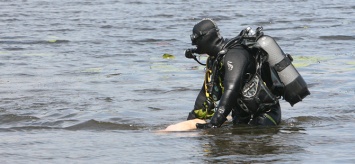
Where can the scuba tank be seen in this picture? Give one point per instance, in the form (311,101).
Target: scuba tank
(295,88)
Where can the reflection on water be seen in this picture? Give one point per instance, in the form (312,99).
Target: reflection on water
(251,144)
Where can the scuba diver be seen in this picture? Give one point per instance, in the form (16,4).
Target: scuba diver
(245,75)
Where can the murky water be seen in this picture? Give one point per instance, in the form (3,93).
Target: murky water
(85,82)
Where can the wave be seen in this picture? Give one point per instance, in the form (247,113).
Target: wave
(26,42)
(11,118)
(337,37)
(12,122)
(101,125)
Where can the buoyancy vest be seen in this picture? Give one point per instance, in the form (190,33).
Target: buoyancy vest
(255,95)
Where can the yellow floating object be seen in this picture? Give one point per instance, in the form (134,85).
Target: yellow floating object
(351,63)
(92,70)
(304,61)
(168,56)
(164,67)
(52,39)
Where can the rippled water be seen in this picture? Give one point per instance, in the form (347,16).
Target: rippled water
(85,82)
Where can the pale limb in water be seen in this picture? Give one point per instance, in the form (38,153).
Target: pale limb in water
(185,125)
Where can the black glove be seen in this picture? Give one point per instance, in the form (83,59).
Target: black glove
(205,126)
(218,118)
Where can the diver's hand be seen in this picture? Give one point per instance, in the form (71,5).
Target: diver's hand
(205,126)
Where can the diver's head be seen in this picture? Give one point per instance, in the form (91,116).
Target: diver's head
(206,37)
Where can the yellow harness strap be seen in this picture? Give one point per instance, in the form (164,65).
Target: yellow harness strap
(207,81)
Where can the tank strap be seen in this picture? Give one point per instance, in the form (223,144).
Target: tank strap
(285,62)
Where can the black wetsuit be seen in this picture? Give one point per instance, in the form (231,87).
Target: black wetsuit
(231,69)
(237,63)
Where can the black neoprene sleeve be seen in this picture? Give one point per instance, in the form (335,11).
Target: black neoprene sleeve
(235,64)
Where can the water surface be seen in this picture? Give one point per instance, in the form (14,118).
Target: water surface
(86,82)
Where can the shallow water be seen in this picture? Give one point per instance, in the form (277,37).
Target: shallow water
(86,82)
